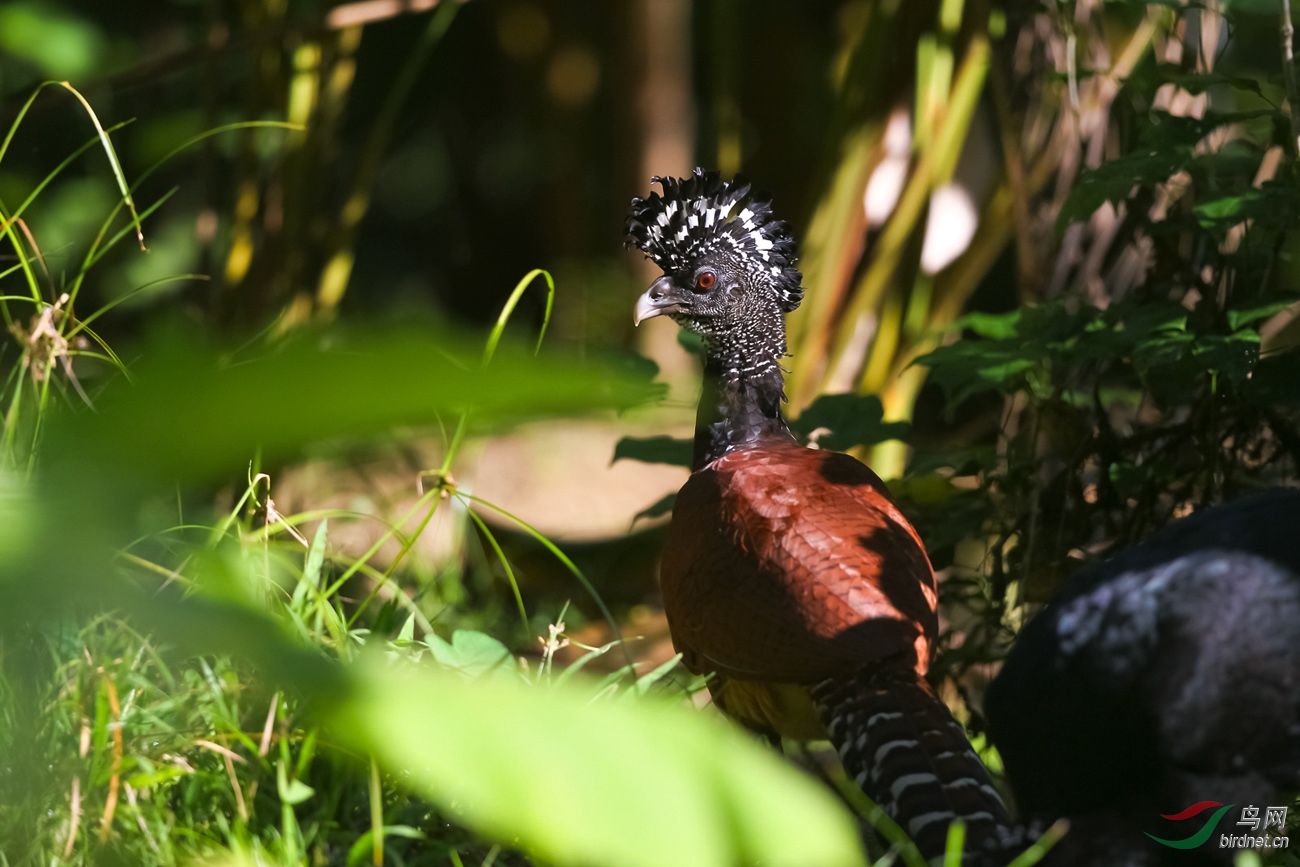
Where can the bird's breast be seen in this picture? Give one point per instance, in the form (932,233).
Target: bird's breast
(792,564)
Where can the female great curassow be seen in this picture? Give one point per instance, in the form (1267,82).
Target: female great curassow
(788,573)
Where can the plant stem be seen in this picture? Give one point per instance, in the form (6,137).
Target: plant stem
(1288,72)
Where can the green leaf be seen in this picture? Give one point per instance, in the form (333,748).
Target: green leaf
(662,506)
(292,792)
(649,679)
(1151,77)
(972,366)
(691,342)
(1115,179)
(1272,203)
(852,419)
(655,450)
(310,579)
(1243,316)
(471,653)
(579,782)
(1127,479)
(1231,355)
(993,325)
(353,383)
(59,44)
(1167,146)
(364,847)
(407,633)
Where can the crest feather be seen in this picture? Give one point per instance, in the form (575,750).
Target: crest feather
(699,214)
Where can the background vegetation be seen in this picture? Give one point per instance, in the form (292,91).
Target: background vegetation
(312,548)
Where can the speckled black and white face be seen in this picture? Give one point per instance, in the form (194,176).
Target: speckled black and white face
(725,259)
(715,295)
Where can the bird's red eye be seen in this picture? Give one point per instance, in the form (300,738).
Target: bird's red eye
(705,280)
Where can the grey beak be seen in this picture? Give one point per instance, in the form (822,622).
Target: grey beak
(659,299)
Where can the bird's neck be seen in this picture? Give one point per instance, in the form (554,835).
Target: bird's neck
(743,391)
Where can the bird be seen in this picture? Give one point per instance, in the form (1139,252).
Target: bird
(789,575)
(1163,678)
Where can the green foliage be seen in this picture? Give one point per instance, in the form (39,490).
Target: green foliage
(1160,342)
(173,689)
(279,401)
(1118,413)
(1164,147)
(576,778)
(197,627)
(61,46)
(655,450)
(186,674)
(852,420)
(537,768)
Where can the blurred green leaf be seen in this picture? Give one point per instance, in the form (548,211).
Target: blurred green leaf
(646,682)
(292,792)
(655,450)
(1115,179)
(662,506)
(471,653)
(1127,479)
(1273,199)
(362,850)
(1167,146)
(581,782)
(690,341)
(187,416)
(1149,77)
(994,325)
(852,419)
(60,45)
(1231,355)
(1243,316)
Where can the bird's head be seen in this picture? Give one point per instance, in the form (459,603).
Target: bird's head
(726,262)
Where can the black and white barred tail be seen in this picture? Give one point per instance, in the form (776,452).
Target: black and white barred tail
(900,744)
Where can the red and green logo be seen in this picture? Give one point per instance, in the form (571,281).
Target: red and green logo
(1201,836)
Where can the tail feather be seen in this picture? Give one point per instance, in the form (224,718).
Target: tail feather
(898,741)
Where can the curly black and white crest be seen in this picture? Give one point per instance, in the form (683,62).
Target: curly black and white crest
(700,214)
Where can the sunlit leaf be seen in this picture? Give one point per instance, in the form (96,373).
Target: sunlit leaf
(292,792)
(1274,199)
(471,653)
(994,325)
(1243,316)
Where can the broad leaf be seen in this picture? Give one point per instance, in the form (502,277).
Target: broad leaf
(580,782)
(1243,316)
(471,653)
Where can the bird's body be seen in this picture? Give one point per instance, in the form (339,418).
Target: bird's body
(1163,677)
(789,564)
(789,574)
